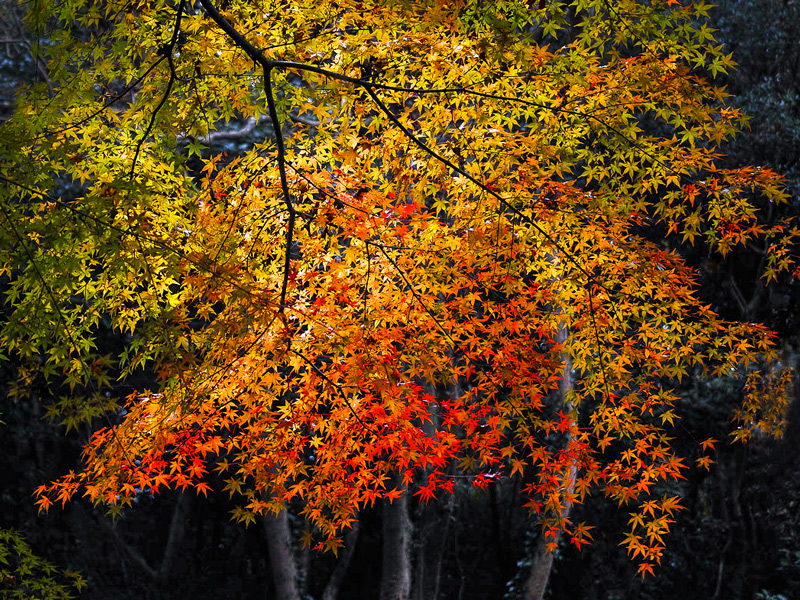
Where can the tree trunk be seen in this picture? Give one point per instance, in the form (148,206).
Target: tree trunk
(175,536)
(281,559)
(335,582)
(433,524)
(396,569)
(542,565)
(433,530)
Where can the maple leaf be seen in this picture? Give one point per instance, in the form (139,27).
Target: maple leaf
(644,568)
(708,444)
(704,462)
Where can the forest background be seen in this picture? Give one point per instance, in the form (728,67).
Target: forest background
(738,537)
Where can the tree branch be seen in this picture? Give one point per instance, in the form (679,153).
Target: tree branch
(235,135)
(132,553)
(335,582)
(167,52)
(176,530)
(276,126)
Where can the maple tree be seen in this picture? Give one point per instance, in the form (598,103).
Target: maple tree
(453,195)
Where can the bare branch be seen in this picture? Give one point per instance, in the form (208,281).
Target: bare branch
(234,135)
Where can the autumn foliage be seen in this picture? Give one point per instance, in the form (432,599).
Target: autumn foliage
(443,211)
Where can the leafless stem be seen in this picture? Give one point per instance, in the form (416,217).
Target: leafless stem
(229,136)
(166,50)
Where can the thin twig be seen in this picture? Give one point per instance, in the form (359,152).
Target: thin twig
(166,50)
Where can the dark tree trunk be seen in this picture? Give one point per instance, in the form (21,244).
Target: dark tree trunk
(396,569)
(433,526)
(335,582)
(159,576)
(281,558)
(433,530)
(536,583)
(542,564)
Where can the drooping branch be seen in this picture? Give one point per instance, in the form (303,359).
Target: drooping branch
(49,290)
